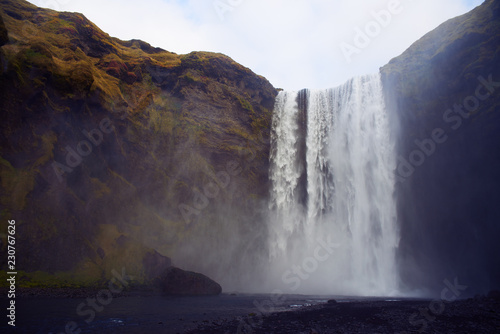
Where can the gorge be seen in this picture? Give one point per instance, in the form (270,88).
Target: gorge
(117,154)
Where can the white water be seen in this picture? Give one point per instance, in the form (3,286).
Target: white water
(346,193)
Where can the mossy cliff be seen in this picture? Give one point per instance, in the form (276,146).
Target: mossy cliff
(115,154)
(111,150)
(444,92)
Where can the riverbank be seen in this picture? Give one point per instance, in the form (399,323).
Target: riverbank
(477,315)
(135,312)
(73,292)
(140,312)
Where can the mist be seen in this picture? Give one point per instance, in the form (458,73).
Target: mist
(329,224)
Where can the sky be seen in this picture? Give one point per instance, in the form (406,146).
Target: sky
(295,44)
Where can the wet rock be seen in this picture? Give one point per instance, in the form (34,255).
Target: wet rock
(175,281)
(155,264)
(494,294)
(331,302)
(4,36)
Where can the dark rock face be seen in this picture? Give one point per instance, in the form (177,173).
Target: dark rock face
(302,100)
(176,281)
(444,92)
(155,264)
(111,150)
(4,35)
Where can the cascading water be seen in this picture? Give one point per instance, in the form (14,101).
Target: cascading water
(332,164)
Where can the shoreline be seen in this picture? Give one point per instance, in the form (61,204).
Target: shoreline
(473,315)
(480,314)
(74,292)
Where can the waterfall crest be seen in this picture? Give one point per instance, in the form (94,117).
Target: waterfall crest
(333,216)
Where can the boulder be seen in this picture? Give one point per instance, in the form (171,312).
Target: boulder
(175,281)
(331,302)
(155,264)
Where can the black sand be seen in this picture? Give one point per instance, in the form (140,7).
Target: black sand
(478,315)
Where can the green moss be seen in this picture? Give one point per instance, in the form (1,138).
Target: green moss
(42,279)
(36,57)
(161,121)
(46,147)
(262,122)
(169,140)
(196,60)
(20,72)
(245,104)
(192,76)
(99,188)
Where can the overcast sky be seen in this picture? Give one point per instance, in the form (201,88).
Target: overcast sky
(293,43)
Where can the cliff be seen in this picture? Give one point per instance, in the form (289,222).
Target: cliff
(117,154)
(112,150)
(444,95)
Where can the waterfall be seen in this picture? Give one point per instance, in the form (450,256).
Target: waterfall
(332,163)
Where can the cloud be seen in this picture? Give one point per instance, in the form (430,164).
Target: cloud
(295,44)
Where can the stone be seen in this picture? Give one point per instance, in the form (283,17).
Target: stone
(175,281)
(155,264)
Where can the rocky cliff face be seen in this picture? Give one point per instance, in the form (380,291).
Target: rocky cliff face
(444,92)
(112,150)
(115,153)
